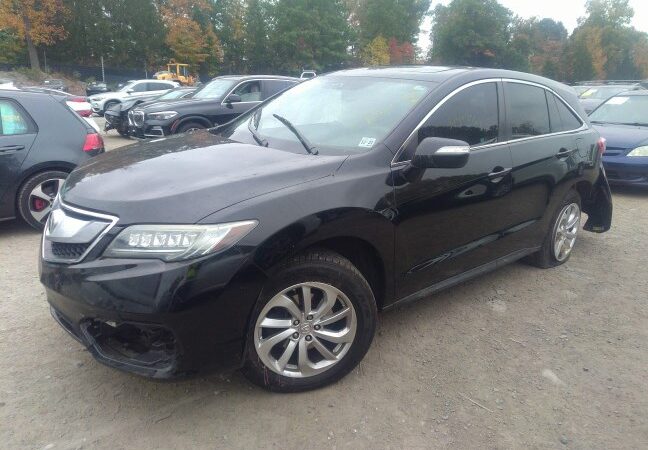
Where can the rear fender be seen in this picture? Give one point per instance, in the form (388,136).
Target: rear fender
(599,206)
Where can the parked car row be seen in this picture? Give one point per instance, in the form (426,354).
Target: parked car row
(594,93)
(132,90)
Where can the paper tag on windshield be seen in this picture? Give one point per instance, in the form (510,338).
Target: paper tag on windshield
(367,142)
(617,100)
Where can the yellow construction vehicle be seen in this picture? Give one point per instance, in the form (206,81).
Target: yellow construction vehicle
(176,72)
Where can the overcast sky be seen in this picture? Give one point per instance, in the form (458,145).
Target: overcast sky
(565,11)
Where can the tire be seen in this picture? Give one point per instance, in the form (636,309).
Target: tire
(547,256)
(34,204)
(190,126)
(123,131)
(354,303)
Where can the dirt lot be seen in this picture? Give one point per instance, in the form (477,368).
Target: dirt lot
(515,359)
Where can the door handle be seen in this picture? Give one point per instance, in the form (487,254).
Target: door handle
(11,148)
(499,172)
(564,153)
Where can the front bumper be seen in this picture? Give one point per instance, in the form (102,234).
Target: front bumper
(627,170)
(156,319)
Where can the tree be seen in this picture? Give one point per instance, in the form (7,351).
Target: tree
(537,45)
(376,52)
(398,19)
(256,23)
(190,37)
(37,22)
(471,32)
(11,47)
(311,34)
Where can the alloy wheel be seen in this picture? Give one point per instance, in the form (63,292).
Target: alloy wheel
(305,330)
(566,231)
(42,197)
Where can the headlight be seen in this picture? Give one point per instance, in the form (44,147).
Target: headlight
(162,115)
(639,151)
(177,242)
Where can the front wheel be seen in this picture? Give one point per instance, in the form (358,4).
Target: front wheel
(561,238)
(312,325)
(190,126)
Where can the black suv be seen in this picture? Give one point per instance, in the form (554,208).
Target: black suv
(216,102)
(41,141)
(271,242)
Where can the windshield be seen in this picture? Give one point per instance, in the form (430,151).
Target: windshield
(629,109)
(215,89)
(336,115)
(603,92)
(173,94)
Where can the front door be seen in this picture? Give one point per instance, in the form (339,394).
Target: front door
(17,133)
(250,94)
(451,220)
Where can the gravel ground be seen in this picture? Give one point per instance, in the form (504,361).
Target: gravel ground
(518,358)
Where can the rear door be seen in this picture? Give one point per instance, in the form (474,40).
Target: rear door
(544,149)
(17,134)
(272,87)
(452,220)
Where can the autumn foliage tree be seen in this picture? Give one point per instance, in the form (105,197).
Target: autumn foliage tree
(189,40)
(36,22)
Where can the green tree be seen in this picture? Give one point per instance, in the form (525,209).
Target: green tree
(472,32)
(537,45)
(310,34)
(12,49)
(257,21)
(398,19)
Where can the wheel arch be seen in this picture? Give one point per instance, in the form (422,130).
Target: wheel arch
(364,237)
(36,170)
(194,118)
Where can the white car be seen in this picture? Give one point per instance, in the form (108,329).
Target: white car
(134,89)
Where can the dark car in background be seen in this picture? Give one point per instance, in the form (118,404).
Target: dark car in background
(55,83)
(96,87)
(599,92)
(214,103)
(41,141)
(623,122)
(117,116)
(271,242)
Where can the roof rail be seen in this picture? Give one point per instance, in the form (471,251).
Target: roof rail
(612,82)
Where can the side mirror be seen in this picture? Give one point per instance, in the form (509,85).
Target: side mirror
(441,153)
(233,98)
(130,91)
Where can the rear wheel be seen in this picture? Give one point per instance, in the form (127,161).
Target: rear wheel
(313,323)
(190,126)
(37,194)
(561,238)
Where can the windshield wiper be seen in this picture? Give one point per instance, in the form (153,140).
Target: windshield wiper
(255,134)
(310,148)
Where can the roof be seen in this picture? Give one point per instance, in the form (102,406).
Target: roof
(255,77)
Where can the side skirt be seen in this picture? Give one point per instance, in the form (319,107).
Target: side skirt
(465,276)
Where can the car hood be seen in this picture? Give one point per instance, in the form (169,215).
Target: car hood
(179,104)
(590,104)
(623,137)
(184,178)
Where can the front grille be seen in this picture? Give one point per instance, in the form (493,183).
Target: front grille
(138,118)
(68,251)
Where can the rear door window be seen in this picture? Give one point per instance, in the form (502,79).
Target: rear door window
(527,111)
(13,120)
(158,86)
(274,86)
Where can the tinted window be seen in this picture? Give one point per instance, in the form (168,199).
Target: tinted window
(158,86)
(569,120)
(12,119)
(139,87)
(274,86)
(470,116)
(527,110)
